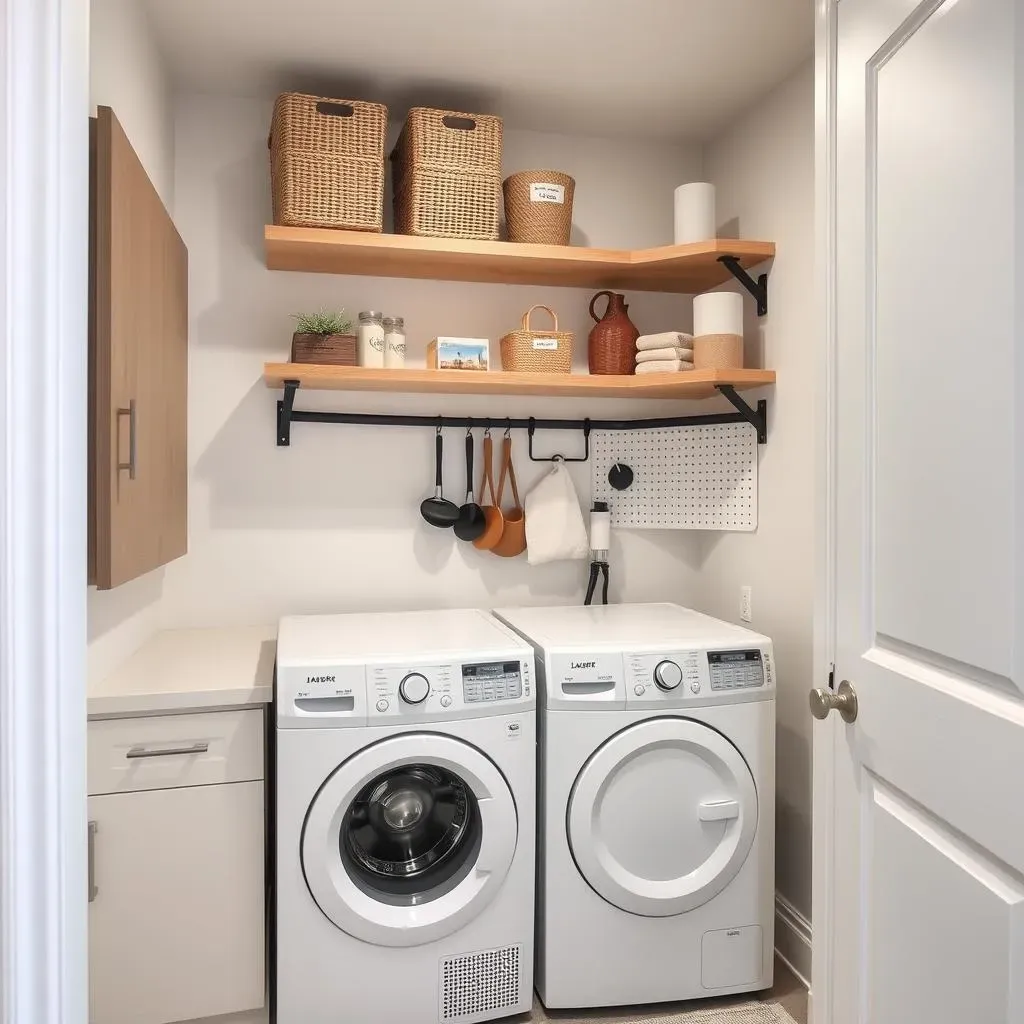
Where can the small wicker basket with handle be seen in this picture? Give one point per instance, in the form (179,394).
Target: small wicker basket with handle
(530,351)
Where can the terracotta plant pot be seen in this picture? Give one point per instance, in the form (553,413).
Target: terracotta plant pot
(325,349)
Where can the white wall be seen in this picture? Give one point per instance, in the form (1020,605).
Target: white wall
(332,522)
(763,170)
(127,74)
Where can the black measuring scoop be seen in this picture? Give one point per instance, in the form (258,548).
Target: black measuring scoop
(471,522)
(438,511)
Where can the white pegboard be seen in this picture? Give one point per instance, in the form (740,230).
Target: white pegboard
(684,478)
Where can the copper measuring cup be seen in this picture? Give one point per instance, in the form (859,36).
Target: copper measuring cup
(494,521)
(513,536)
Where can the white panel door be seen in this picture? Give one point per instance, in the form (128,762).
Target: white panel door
(176,912)
(927,875)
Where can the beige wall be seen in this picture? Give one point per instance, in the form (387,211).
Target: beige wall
(127,74)
(763,170)
(332,523)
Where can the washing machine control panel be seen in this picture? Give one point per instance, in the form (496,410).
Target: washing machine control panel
(492,680)
(682,677)
(447,690)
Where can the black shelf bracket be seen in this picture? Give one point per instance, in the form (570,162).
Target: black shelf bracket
(287,414)
(757,418)
(758,288)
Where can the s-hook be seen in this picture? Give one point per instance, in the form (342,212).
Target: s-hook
(532,427)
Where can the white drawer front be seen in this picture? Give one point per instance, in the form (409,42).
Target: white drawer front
(131,754)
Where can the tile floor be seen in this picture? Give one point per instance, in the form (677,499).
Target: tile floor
(788,992)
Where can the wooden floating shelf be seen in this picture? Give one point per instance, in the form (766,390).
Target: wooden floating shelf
(687,269)
(695,384)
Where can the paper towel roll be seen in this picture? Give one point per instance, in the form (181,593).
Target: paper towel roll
(695,212)
(718,313)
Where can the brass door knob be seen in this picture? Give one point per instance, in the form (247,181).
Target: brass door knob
(844,700)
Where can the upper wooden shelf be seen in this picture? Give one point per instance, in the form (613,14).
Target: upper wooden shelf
(692,384)
(671,268)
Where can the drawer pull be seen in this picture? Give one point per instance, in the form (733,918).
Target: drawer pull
(93,889)
(196,748)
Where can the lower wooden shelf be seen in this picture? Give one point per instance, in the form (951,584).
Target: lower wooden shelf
(695,384)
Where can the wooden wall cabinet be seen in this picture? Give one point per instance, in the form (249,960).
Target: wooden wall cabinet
(138,367)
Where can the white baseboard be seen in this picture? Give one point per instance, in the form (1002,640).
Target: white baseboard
(793,939)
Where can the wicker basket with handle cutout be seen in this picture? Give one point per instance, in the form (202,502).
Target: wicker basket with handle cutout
(530,351)
(447,174)
(327,162)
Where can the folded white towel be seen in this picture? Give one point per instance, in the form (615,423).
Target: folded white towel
(667,339)
(655,354)
(664,366)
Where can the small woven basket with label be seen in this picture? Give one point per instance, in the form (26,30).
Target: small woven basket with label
(530,351)
(538,207)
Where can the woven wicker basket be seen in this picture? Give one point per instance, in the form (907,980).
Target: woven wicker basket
(327,162)
(447,204)
(530,351)
(447,175)
(538,207)
(453,140)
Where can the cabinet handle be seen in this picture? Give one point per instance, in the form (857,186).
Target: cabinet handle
(130,464)
(93,889)
(196,748)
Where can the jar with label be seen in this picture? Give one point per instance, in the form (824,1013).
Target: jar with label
(394,342)
(371,339)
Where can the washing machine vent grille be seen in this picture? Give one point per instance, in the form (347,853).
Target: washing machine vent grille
(478,984)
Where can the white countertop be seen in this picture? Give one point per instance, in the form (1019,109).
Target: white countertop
(190,669)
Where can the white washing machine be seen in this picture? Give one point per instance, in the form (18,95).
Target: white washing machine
(656,819)
(405,819)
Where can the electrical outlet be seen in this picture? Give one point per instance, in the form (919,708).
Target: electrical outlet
(746,604)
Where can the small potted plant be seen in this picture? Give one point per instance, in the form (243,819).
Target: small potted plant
(324,337)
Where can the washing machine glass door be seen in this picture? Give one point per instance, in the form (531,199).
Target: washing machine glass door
(662,817)
(409,839)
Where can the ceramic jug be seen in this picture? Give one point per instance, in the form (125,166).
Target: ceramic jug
(612,345)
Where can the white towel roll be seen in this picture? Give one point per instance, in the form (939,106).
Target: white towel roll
(667,339)
(664,366)
(655,354)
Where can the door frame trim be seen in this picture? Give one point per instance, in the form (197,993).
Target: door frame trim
(44,90)
(825,734)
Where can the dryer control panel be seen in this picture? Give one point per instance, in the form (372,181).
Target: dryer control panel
(699,676)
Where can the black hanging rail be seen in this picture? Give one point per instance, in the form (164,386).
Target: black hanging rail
(287,414)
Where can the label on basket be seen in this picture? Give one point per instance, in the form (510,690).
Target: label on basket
(545,344)
(546,192)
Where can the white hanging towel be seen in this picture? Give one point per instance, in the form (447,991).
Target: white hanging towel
(651,355)
(554,522)
(664,366)
(667,339)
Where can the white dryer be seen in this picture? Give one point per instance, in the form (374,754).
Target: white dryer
(405,819)
(656,819)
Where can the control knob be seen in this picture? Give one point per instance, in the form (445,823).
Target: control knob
(667,675)
(414,688)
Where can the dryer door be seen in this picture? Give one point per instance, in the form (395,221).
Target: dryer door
(409,839)
(662,817)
